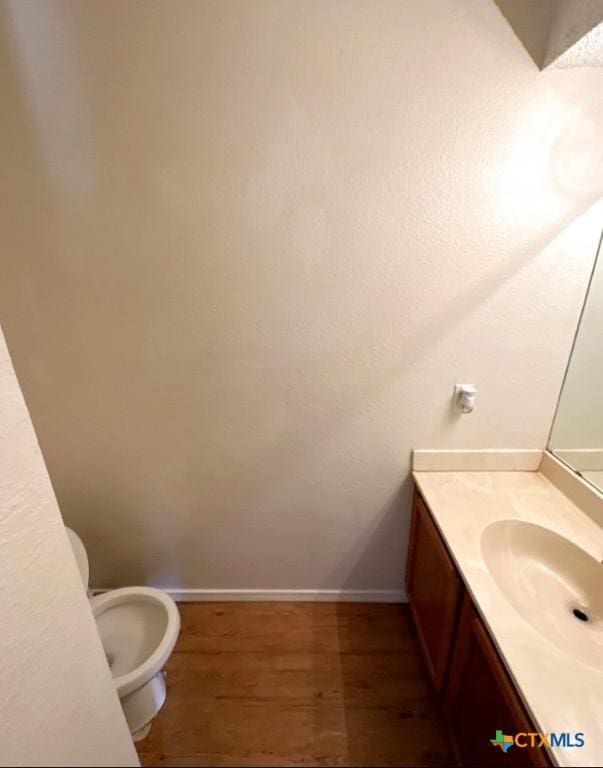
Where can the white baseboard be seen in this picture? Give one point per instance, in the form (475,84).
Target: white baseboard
(288,595)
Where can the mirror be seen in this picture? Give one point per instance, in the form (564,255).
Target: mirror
(577,434)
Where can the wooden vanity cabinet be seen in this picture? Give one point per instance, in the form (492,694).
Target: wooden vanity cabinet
(434,591)
(476,692)
(480,698)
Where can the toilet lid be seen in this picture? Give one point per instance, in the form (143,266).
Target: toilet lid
(81,558)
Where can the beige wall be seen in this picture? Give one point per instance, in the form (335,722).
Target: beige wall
(249,247)
(58,704)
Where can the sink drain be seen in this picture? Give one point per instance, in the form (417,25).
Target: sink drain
(580,614)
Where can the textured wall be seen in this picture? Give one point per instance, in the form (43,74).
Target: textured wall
(58,704)
(576,34)
(249,247)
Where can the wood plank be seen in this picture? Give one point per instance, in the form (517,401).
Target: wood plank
(297,684)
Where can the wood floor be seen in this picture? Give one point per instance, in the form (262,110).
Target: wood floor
(269,684)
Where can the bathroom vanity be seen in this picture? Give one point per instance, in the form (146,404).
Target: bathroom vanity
(466,670)
(500,658)
(505,579)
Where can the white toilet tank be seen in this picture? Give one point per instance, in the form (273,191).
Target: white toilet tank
(81,558)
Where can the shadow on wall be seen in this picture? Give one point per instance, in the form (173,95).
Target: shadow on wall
(383,540)
(126,537)
(389,528)
(103,504)
(531,22)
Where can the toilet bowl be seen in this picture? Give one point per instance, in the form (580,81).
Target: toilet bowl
(138,628)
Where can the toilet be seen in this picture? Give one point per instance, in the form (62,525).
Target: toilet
(138,627)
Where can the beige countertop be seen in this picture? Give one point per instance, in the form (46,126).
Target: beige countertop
(560,692)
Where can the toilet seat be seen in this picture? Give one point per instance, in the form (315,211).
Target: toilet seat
(138,627)
(81,558)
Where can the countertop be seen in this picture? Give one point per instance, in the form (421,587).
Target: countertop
(560,693)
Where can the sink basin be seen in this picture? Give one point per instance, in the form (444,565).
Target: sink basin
(552,584)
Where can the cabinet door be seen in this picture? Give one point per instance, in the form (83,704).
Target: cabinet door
(434,590)
(480,699)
